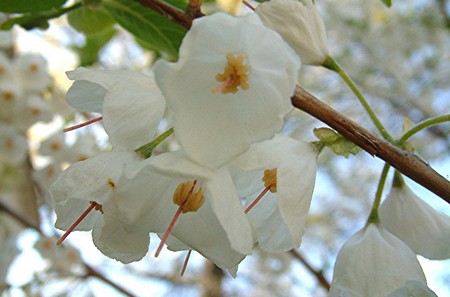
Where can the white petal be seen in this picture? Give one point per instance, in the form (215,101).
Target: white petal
(92,180)
(114,241)
(423,229)
(204,121)
(86,96)
(131,113)
(374,263)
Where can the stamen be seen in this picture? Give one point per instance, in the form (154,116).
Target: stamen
(270,183)
(248,5)
(82,124)
(78,221)
(188,201)
(257,200)
(234,75)
(186,260)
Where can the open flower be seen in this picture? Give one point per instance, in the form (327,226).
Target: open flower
(300,25)
(130,103)
(285,169)
(211,217)
(231,86)
(375,263)
(423,229)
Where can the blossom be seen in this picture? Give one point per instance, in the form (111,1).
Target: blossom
(425,230)
(288,166)
(130,102)
(231,86)
(300,25)
(31,71)
(375,263)
(213,220)
(94,179)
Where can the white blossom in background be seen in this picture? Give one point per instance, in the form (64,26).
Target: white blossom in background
(213,222)
(231,86)
(31,71)
(130,103)
(301,26)
(13,145)
(290,165)
(425,230)
(375,263)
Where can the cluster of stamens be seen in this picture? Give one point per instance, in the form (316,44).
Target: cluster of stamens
(184,196)
(270,183)
(188,200)
(235,75)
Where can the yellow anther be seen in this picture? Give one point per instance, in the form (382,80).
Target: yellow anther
(34,67)
(184,195)
(8,96)
(270,179)
(235,75)
(110,183)
(9,143)
(55,146)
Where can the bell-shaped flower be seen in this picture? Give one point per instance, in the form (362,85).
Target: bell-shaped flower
(83,183)
(375,263)
(130,103)
(31,71)
(211,216)
(301,26)
(285,169)
(425,230)
(13,145)
(231,86)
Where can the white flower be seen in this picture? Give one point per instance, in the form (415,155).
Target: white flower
(279,217)
(231,86)
(130,102)
(423,229)
(92,180)
(31,71)
(13,145)
(215,226)
(300,25)
(375,263)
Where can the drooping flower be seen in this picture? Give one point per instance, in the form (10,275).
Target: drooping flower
(286,170)
(231,86)
(212,221)
(92,180)
(425,230)
(375,263)
(130,103)
(300,25)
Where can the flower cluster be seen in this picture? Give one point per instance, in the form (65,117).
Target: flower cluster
(233,184)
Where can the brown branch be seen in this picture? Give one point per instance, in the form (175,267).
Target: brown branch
(318,274)
(176,15)
(90,271)
(405,162)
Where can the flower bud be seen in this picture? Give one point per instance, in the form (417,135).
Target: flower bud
(300,25)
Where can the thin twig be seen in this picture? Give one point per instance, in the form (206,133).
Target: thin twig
(405,162)
(90,271)
(318,274)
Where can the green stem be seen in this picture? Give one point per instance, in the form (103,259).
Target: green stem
(373,216)
(146,150)
(423,125)
(331,64)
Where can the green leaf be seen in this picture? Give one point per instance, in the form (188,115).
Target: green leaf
(38,19)
(150,27)
(387,2)
(23,6)
(89,21)
(88,54)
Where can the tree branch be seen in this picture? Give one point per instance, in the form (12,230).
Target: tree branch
(405,162)
(90,271)
(318,274)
